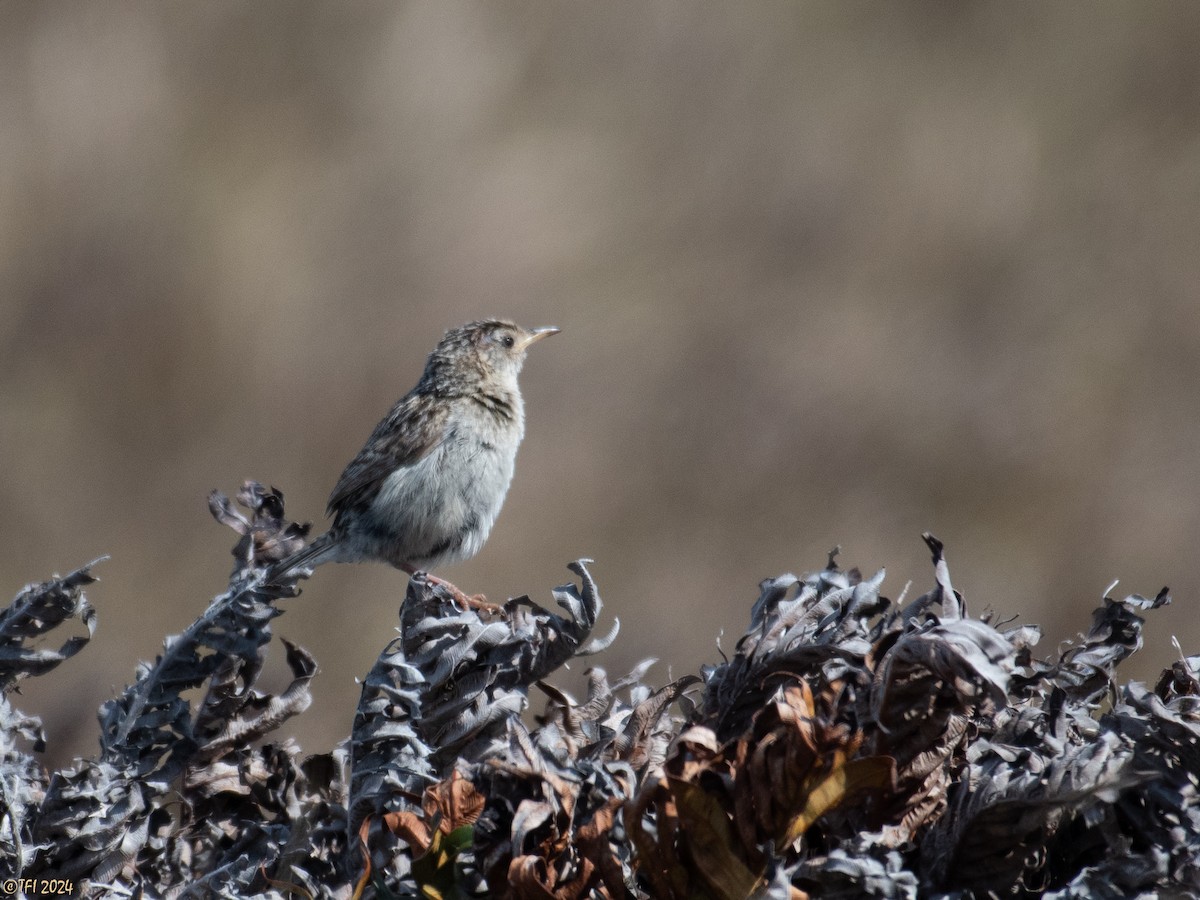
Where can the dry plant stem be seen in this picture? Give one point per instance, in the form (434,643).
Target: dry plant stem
(183,643)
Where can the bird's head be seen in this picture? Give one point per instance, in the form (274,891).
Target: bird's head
(488,350)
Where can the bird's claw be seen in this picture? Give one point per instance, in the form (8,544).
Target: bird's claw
(477,602)
(466,602)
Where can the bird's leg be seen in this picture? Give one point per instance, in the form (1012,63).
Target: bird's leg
(464,601)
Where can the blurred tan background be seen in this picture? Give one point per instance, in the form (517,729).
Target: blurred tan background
(825,274)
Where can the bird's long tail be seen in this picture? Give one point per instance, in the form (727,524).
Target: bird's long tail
(321,550)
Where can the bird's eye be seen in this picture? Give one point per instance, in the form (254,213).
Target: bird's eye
(508,340)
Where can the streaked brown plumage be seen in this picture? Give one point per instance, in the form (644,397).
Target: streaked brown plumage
(429,482)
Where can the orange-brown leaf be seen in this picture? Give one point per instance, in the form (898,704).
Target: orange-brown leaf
(828,791)
(710,841)
(456,800)
(656,859)
(530,879)
(410,828)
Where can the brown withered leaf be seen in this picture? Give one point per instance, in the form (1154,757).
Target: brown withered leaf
(594,840)
(634,744)
(722,804)
(452,803)
(656,857)
(929,680)
(529,878)
(844,780)
(795,766)
(709,837)
(694,751)
(922,785)
(410,828)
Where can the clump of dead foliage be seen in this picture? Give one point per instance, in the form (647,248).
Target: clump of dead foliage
(850,746)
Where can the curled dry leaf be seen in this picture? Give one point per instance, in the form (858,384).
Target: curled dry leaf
(36,611)
(267,536)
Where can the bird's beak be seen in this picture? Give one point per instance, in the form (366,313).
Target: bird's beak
(536,334)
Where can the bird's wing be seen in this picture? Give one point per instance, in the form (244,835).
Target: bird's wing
(406,435)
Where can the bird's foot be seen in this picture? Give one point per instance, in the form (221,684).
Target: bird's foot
(479,603)
(464,601)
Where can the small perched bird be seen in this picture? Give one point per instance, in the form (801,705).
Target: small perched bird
(428,484)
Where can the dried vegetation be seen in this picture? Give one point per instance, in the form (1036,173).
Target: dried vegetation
(851,746)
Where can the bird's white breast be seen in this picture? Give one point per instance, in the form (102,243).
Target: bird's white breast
(441,508)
